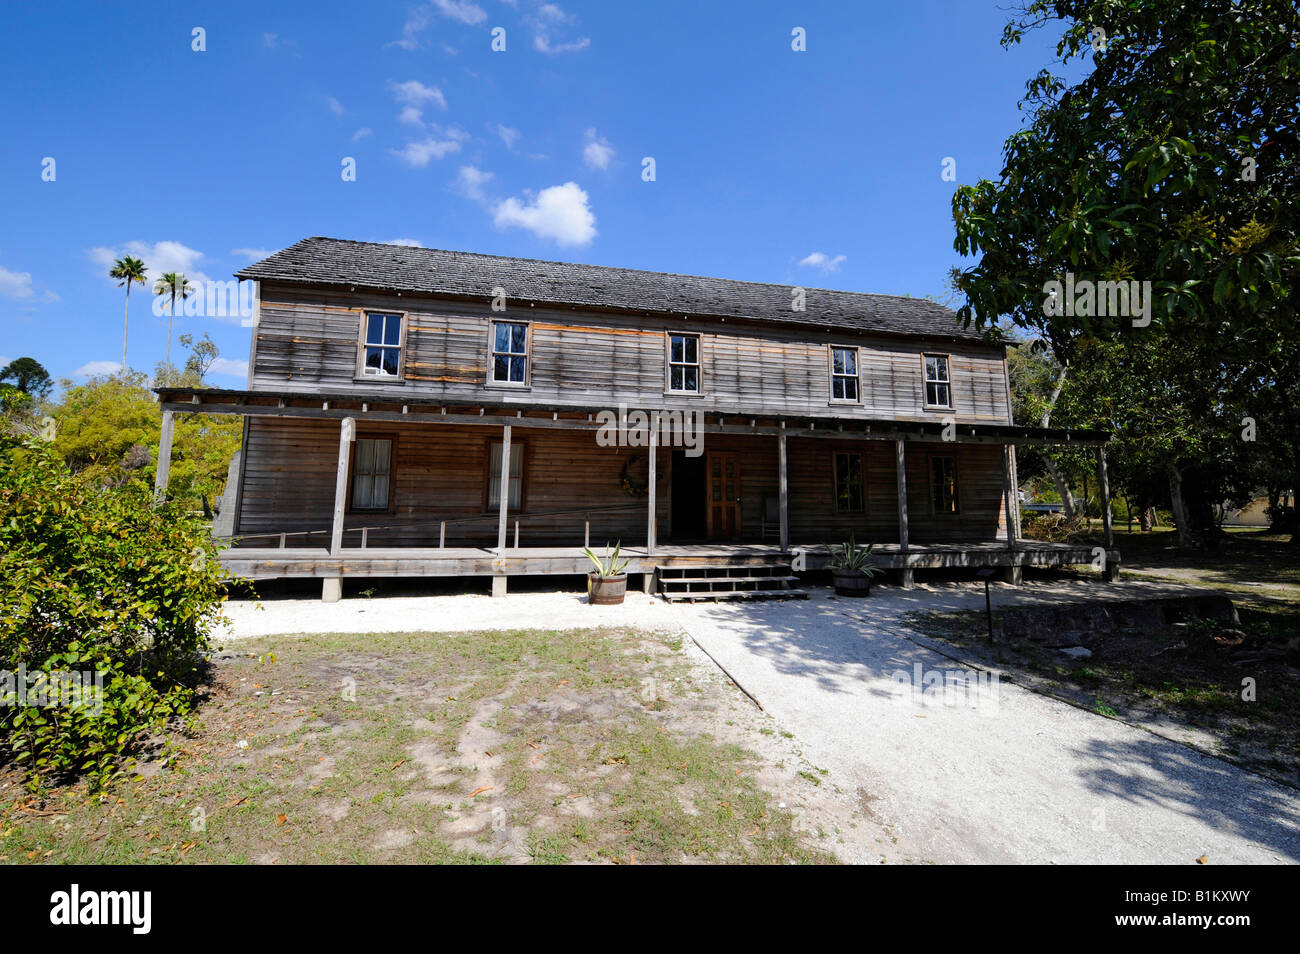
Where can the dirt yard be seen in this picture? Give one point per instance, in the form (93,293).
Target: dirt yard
(609,745)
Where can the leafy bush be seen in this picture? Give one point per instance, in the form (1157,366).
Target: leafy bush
(96,580)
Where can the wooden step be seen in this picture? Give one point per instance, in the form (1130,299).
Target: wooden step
(726,582)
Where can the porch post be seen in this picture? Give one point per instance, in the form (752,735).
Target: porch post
(163,474)
(906,574)
(654,461)
(1014,572)
(1108,529)
(503,508)
(784,492)
(332,590)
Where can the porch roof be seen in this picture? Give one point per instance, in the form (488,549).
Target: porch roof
(497,410)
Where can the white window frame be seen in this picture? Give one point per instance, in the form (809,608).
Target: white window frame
(856,376)
(526,354)
(927,381)
(364,371)
(697,364)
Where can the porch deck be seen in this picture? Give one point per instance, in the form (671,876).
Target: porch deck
(274,562)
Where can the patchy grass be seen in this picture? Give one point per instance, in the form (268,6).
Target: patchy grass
(1186,682)
(522,746)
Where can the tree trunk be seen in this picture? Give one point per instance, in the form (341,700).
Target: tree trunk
(1062,486)
(1182,519)
(126,314)
(1147,520)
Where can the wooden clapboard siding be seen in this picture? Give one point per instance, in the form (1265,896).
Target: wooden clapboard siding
(440,472)
(306,339)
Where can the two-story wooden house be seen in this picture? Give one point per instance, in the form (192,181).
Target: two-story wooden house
(416,412)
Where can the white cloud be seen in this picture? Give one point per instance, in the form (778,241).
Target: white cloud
(335,106)
(229,367)
(415,93)
(92,368)
(273,41)
(559,212)
(362,133)
(462,10)
(542,44)
(419,153)
(470,182)
(252,254)
(159,257)
(15,284)
(407,242)
(411,115)
(823,261)
(549,11)
(508,136)
(598,152)
(417,21)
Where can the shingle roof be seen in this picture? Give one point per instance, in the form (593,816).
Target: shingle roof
(330,261)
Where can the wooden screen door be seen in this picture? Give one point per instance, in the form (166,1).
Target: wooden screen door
(724,496)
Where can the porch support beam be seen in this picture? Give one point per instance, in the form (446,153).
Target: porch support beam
(1014,573)
(653,457)
(503,497)
(906,575)
(784,494)
(163,473)
(333,587)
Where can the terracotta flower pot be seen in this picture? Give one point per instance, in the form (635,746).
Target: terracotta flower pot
(851,583)
(606,590)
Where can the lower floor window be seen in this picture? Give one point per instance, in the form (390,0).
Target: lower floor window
(943,484)
(516,493)
(372,473)
(848,482)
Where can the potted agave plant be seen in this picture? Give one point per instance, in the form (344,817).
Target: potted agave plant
(607,585)
(853,568)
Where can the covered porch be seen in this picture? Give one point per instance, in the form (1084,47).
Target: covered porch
(292,513)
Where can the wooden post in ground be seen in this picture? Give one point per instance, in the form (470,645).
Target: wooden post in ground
(1014,572)
(163,474)
(906,576)
(784,492)
(332,590)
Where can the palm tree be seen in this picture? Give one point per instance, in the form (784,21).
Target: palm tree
(127,270)
(172,283)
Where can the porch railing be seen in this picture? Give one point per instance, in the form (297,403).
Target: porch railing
(282,538)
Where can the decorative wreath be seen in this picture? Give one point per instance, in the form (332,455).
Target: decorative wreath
(637,486)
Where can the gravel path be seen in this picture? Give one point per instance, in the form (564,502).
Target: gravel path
(1000,775)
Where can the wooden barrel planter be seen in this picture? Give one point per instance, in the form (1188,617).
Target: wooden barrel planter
(851,583)
(606,590)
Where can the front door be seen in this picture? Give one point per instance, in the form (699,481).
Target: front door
(724,496)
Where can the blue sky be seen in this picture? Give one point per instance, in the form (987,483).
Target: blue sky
(819,168)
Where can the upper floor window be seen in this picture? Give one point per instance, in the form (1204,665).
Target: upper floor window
(844,374)
(684,363)
(381,354)
(509,352)
(943,484)
(372,470)
(938,384)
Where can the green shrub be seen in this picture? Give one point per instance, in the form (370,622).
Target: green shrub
(98,580)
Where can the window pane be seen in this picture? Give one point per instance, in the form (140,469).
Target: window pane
(675,378)
(501,368)
(851,389)
(382,454)
(374,360)
(361,491)
(675,349)
(365,456)
(390,360)
(519,339)
(837,361)
(374,329)
(494,459)
(517,369)
(837,388)
(379,499)
(692,348)
(393,330)
(692,378)
(502,337)
(850,361)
